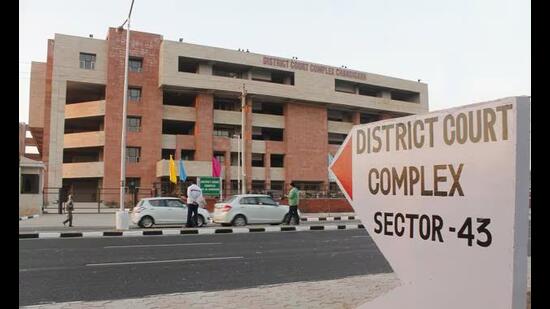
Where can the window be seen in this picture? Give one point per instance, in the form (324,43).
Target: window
(187,155)
(157,203)
(235,159)
(264,200)
(220,156)
(366,118)
(308,185)
(227,104)
(257,160)
(134,94)
(87,61)
(277,185)
(258,186)
(133,124)
(132,154)
(221,132)
(336,138)
(226,130)
(29,183)
(267,134)
(165,153)
(277,160)
(248,201)
(174,203)
(135,64)
(133,183)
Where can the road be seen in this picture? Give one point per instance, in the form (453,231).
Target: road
(60,270)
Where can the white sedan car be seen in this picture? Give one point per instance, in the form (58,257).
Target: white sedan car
(165,210)
(245,209)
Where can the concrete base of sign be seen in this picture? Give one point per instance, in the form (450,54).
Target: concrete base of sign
(122,220)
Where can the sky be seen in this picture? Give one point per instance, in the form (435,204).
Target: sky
(466,51)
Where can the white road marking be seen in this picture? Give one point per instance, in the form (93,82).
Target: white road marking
(166,245)
(167,261)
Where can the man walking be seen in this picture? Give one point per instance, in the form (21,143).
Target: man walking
(293,200)
(69,207)
(194,194)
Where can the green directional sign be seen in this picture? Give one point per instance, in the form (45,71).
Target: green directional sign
(210,186)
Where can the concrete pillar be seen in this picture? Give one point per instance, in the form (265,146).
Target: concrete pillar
(356,118)
(287,80)
(178,150)
(205,69)
(385,94)
(204,127)
(267,165)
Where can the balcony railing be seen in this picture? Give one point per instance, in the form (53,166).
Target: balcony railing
(83,170)
(192,168)
(85,109)
(84,139)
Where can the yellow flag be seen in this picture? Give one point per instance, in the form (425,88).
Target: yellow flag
(173,170)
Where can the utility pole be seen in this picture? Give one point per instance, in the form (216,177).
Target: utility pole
(243,108)
(122,217)
(238,162)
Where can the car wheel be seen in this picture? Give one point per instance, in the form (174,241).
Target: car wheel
(239,220)
(146,222)
(200,220)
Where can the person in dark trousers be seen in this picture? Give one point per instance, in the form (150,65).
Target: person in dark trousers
(194,194)
(69,207)
(293,200)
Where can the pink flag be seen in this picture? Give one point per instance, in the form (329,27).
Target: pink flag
(216,167)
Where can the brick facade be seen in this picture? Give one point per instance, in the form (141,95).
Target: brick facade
(149,108)
(304,121)
(306,141)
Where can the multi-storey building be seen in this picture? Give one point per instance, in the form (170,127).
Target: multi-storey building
(185,100)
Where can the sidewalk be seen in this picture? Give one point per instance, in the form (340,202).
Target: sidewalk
(344,293)
(107,220)
(340,293)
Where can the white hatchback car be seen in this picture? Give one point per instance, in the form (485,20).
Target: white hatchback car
(245,209)
(165,210)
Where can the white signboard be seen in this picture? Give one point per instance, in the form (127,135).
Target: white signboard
(444,196)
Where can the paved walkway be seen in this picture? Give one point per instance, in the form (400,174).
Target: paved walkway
(107,221)
(341,293)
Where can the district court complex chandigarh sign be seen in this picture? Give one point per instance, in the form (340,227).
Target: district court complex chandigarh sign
(444,196)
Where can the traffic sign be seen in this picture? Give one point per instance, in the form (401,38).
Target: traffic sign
(445,196)
(210,186)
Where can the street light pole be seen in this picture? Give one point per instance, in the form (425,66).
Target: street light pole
(238,161)
(243,107)
(122,217)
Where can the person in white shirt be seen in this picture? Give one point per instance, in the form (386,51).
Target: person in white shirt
(194,194)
